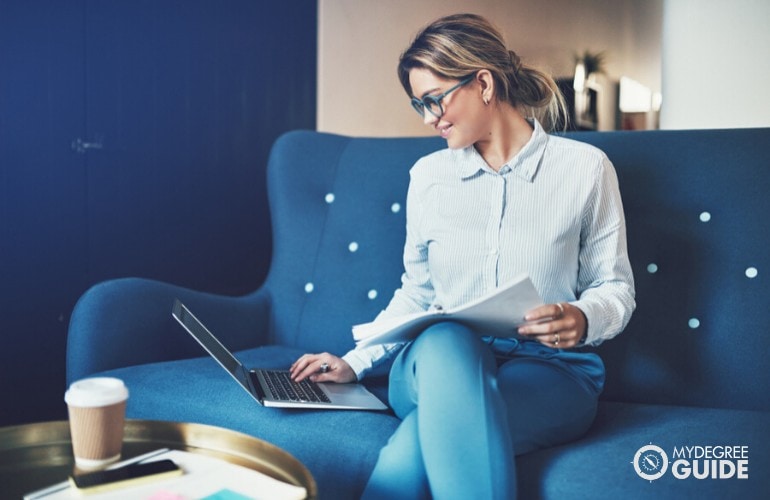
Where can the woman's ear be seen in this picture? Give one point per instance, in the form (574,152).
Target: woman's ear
(487,85)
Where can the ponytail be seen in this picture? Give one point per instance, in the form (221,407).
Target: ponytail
(536,94)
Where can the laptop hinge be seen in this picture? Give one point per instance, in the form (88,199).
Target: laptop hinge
(256,385)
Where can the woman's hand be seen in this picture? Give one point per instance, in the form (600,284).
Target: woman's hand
(322,367)
(560,326)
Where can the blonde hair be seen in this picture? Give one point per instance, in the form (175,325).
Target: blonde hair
(459,45)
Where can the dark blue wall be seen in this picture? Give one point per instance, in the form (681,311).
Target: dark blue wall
(175,105)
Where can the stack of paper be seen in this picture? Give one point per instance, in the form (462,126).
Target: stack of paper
(497,313)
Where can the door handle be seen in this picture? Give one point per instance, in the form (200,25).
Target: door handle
(81,146)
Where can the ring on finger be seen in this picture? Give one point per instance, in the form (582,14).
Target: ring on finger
(556,339)
(324,367)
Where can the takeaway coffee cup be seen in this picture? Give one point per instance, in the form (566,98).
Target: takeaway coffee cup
(97,409)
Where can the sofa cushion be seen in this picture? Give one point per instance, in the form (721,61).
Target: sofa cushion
(339,448)
(600,465)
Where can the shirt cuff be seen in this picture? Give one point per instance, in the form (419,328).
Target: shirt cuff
(359,362)
(364,360)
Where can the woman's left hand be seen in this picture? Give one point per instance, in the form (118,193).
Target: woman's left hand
(560,326)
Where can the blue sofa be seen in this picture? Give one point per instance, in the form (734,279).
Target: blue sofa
(688,382)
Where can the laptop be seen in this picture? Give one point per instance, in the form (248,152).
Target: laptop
(275,387)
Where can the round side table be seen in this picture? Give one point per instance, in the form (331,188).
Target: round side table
(34,456)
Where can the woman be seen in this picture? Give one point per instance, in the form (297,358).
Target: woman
(504,198)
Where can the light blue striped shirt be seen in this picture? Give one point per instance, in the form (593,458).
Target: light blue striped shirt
(554,211)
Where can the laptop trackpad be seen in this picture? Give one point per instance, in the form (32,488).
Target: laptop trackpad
(352,394)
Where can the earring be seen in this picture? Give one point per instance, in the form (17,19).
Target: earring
(486,101)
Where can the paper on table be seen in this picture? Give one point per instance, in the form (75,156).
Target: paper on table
(497,313)
(203,476)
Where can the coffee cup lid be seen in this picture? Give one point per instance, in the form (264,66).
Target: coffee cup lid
(96,391)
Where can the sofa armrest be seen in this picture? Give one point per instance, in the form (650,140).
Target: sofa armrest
(128,321)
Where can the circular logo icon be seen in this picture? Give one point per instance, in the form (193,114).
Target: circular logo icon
(650,462)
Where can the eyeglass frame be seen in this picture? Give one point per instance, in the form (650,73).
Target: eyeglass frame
(420,105)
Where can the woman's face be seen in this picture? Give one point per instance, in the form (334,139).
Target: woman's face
(462,123)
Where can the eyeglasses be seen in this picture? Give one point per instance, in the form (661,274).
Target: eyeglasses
(433,102)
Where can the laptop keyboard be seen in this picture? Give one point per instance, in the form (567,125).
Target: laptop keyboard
(285,389)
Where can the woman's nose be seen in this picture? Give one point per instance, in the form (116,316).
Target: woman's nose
(429,118)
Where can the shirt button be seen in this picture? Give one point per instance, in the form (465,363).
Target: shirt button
(493,251)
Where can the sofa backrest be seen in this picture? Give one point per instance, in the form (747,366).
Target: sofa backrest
(338,211)
(696,205)
(697,209)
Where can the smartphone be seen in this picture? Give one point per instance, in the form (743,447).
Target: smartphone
(130,475)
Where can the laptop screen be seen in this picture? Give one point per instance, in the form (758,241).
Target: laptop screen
(208,341)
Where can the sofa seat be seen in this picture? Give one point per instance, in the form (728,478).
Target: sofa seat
(340,448)
(598,465)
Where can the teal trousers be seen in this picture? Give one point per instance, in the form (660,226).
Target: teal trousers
(470,403)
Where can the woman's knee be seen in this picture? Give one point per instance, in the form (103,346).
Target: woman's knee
(449,346)
(442,356)
(447,337)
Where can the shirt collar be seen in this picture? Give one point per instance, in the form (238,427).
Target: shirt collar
(525,164)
